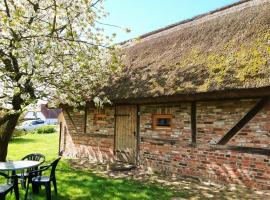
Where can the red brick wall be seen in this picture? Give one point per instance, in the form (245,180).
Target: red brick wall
(96,143)
(170,152)
(217,117)
(180,122)
(214,119)
(256,133)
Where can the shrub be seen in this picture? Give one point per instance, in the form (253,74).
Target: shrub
(46,129)
(18,133)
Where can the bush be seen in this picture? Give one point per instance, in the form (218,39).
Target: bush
(46,129)
(18,133)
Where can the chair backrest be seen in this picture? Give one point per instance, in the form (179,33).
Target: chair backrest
(35,157)
(54,165)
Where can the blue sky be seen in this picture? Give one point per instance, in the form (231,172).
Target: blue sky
(142,16)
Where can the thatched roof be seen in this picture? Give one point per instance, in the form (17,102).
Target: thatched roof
(222,50)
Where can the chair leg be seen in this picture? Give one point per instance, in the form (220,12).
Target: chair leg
(16,189)
(55,186)
(35,188)
(48,190)
(27,188)
(24,182)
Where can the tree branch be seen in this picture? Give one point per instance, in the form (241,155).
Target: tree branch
(105,24)
(35,7)
(54,18)
(7,9)
(67,39)
(95,3)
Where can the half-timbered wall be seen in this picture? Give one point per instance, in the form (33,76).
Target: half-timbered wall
(215,118)
(160,151)
(171,150)
(89,140)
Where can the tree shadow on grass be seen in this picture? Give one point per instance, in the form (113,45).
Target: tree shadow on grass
(82,185)
(22,140)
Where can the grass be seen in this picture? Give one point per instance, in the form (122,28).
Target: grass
(46,144)
(74,184)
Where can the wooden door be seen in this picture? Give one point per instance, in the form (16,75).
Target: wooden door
(126,133)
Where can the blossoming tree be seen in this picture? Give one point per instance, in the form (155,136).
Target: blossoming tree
(50,49)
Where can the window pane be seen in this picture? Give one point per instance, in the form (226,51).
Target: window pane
(163,122)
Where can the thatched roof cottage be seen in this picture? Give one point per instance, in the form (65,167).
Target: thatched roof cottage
(192,100)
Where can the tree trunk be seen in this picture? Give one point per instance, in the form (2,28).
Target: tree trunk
(3,150)
(6,131)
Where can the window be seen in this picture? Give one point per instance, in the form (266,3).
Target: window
(162,121)
(40,122)
(37,122)
(100,119)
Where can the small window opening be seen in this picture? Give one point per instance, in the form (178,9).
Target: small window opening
(100,119)
(162,121)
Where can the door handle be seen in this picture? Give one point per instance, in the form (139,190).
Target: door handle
(134,133)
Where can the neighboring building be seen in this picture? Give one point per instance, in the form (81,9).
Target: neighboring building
(50,116)
(193,101)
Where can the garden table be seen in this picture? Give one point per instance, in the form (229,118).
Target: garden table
(14,166)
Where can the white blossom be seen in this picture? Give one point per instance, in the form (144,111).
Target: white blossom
(60,52)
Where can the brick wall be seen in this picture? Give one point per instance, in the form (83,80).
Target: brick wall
(214,119)
(170,151)
(96,143)
(217,117)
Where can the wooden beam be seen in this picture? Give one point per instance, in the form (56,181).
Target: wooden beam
(251,93)
(98,135)
(85,118)
(138,134)
(72,121)
(193,122)
(250,114)
(65,138)
(60,138)
(114,132)
(250,150)
(159,141)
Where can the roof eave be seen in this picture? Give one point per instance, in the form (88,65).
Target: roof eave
(204,96)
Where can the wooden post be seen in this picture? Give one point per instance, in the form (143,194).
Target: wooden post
(60,137)
(138,135)
(85,118)
(114,134)
(193,122)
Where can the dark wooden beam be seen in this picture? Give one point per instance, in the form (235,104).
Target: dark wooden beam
(60,138)
(193,122)
(72,121)
(250,150)
(250,114)
(114,131)
(229,94)
(159,141)
(65,138)
(138,134)
(97,135)
(85,118)
(251,93)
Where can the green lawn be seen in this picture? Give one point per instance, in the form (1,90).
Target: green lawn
(80,184)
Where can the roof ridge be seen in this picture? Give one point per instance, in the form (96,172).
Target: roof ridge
(187,20)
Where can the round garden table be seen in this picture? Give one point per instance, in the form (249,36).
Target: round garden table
(14,166)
